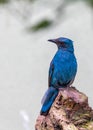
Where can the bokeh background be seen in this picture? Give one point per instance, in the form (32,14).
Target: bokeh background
(25,54)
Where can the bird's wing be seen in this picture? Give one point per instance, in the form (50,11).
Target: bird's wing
(51,70)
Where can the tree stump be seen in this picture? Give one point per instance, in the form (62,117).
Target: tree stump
(70,111)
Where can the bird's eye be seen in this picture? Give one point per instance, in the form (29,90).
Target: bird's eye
(63,44)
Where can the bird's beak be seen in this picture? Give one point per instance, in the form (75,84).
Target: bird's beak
(52,40)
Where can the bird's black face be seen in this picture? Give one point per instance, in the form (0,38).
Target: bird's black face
(58,42)
(63,43)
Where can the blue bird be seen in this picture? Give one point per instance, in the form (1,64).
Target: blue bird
(62,71)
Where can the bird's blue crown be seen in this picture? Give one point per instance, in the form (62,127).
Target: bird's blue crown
(65,40)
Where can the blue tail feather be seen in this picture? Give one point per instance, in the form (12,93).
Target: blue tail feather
(48,100)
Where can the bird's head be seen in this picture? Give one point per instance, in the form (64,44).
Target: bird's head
(63,43)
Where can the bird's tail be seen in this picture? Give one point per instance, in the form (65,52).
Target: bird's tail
(48,100)
(45,95)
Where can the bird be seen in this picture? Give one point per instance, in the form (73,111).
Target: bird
(62,71)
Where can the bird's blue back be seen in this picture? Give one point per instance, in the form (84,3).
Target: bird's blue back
(64,68)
